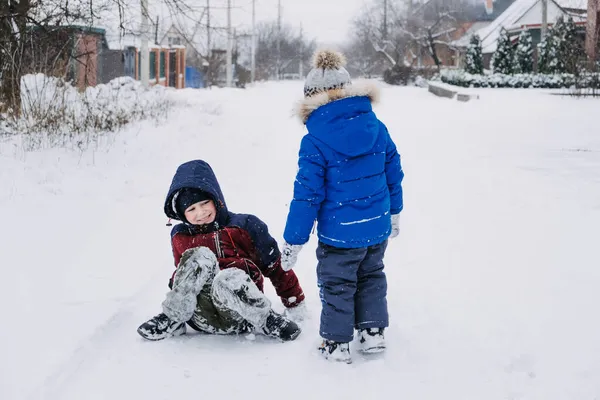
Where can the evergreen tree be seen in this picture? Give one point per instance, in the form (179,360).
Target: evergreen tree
(474,59)
(560,35)
(502,59)
(523,61)
(548,53)
(571,50)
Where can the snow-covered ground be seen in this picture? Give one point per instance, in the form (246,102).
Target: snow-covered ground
(493,281)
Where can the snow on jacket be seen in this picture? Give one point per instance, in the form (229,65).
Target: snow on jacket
(238,240)
(349,177)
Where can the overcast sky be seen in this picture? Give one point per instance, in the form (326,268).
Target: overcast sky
(327,21)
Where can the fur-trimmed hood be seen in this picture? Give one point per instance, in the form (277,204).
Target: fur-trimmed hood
(343,119)
(366,88)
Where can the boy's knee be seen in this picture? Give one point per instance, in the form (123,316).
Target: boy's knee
(231,279)
(234,283)
(199,256)
(197,267)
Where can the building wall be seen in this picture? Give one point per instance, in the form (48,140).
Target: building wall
(592,30)
(86,59)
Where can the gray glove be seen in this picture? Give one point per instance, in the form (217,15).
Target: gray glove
(395,226)
(289,255)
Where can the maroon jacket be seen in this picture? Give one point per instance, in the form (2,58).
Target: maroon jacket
(238,240)
(234,248)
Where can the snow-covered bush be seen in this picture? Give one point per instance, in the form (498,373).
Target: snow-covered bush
(53,109)
(548,81)
(398,75)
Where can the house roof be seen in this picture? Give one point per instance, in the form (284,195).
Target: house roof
(513,17)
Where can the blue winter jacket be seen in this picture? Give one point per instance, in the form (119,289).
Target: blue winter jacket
(349,177)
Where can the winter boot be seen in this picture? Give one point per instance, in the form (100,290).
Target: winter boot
(335,351)
(371,340)
(161,327)
(280,327)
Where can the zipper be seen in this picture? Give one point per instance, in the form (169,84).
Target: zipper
(218,249)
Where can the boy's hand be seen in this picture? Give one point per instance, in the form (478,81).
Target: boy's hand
(289,255)
(395,226)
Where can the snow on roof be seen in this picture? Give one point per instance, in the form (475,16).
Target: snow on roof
(573,4)
(489,35)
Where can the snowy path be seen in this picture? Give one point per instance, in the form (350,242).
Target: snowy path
(493,282)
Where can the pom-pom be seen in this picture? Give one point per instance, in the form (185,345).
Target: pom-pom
(329,59)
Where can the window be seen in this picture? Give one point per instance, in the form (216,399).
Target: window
(152,64)
(162,64)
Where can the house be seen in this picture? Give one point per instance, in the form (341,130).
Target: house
(81,55)
(206,48)
(463,18)
(167,63)
(69,51)
(523,15)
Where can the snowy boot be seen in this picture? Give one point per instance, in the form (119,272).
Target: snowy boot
(336,351)
(371,340)
(161,327)
(280,327)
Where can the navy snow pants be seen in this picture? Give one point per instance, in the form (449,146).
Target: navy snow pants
(353,289)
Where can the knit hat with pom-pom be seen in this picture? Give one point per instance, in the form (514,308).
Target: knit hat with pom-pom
(328,73)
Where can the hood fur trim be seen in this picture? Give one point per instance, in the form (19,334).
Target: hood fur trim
(367,88)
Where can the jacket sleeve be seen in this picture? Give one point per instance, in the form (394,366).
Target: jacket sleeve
(394,174)
(177,253)
(268,260)
(309,192)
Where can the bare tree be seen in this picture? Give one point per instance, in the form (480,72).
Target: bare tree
(36,36)
(31,42)
(367,34)
(294,49)
(413,31)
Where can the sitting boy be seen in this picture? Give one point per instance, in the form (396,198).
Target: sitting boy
(221,259)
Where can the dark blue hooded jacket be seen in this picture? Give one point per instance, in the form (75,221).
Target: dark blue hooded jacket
(349,177)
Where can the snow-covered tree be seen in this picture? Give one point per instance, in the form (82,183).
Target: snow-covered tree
(561,50)
(502,60)
(548,53)
(474,58)
(571,49)
(523,60)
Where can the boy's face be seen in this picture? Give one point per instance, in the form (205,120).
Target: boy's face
(201,213)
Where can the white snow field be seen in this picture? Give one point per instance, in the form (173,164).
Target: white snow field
(494,282)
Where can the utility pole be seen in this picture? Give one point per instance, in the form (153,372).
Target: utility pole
(209,58)
(208,28)
(385,19)
(144,55)
(253,61)
(301,66)
(278,39)
(544,18)
(229,47)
